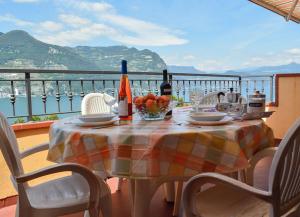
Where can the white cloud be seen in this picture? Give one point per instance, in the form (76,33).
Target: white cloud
(294,51)
(74,21)
(98,7)
(200,63)
(212,65)
(26,1)
(71,37)
(274,59)
(189,57)
(50,26)
(145,33)
(12,19)
(130,30)
(97,19)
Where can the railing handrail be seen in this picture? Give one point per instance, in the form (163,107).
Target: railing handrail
(103,72)
(258,76)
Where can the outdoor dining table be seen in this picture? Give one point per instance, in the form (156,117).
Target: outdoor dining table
(150,153)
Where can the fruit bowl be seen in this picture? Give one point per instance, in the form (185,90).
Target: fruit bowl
(151,107)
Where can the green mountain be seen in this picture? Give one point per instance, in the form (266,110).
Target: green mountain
(20,50)
(108,58)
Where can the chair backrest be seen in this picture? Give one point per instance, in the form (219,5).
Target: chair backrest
(284,178)
(212,99)
(93,103)
(9,147)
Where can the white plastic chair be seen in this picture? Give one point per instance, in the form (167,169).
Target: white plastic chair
(93,103)
(211,99)
(246,175)
(70,194)
(233,198)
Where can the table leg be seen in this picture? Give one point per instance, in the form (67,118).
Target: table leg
(169,190)
(143,193)
(178,198)
(131,185)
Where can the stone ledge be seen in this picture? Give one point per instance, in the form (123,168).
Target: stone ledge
(32,125)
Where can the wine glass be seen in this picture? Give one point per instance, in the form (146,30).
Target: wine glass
(109,98)
(196,95)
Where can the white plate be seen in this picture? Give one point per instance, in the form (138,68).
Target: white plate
(207,116)
(224,121)
(95,124)
(97,117)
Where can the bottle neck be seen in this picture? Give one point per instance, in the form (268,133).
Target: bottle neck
(165,76)
(124,67)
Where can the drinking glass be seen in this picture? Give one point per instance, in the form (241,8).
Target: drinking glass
(196,95)
(109,98)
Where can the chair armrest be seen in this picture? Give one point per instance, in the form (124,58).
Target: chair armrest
(91,179)
(30,151)
(215,178)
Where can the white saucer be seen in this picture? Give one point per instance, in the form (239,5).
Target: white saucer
(95,124)
(96,117)
(207,116)
(224,121)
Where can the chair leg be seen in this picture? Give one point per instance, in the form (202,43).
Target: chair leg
(106,206)
(93,212)
(120,181)
(86,213)
(169,189)
(23,212)
(17,210)
(177,198)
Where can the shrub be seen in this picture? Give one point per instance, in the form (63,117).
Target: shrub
(51,117)
(36,118)
(19,121)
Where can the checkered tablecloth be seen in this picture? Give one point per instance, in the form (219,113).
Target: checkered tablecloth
(145,149)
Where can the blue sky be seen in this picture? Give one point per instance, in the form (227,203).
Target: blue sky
(212,35)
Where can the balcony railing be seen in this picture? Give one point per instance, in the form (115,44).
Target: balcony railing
(29,93)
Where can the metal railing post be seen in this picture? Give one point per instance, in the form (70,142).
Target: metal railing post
(171,82)
(28,95)
(272,88)
(240,84)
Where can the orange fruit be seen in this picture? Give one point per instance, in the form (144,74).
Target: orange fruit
(138,100)
(164,101)
(151,96)
(151,106)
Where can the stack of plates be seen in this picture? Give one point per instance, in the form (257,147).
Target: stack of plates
(209,118)
(96,120)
